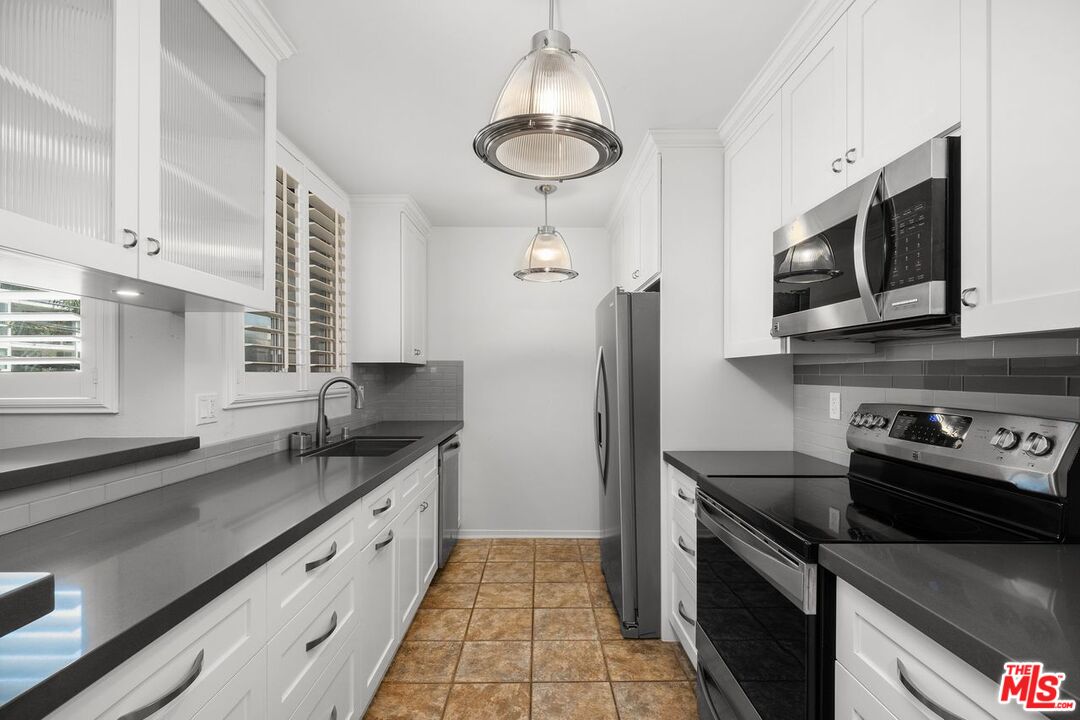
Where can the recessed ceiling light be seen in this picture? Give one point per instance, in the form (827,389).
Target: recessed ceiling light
(127,293)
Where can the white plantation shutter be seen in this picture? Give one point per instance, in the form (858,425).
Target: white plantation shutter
(40,331)
(326,286)
(58,353)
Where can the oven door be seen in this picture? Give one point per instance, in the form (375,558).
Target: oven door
(757,638)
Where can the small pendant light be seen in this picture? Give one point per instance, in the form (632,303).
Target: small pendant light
(552,120)
(547,259)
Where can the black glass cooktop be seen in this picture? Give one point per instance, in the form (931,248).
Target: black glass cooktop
(801,512)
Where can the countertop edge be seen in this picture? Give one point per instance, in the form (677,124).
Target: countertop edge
(671,459)
(956,640)
(49,471)
(64,685)
(25,604)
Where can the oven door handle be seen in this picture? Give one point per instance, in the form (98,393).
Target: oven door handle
(795,579)
(875,187)
(705,679)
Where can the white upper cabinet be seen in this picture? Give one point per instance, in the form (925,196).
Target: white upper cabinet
(903,78)
(752,199)
(388,280)
(814,103)
(155,122)
(1019,108)
(635,227)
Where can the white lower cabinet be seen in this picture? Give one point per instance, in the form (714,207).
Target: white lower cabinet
(853,701)
(378,629)
(305,646)
(182,670)
(910,675)
(680,560)
(244,698)
(338,616)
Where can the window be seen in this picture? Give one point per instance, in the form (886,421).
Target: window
(288,352)
(58,353)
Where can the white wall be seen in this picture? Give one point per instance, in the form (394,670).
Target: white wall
(708,403)
(151,388)
(528,462)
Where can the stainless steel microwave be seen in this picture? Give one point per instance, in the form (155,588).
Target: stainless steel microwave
(879,259)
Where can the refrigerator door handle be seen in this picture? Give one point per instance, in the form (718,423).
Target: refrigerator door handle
(601,428)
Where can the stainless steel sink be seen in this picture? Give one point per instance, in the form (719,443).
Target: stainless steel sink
(364,447)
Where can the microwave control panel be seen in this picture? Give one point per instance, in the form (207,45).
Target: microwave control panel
(917,236)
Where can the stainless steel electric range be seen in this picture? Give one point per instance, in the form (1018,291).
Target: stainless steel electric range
(916,474)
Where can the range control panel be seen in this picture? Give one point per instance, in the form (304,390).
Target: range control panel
(1030,452)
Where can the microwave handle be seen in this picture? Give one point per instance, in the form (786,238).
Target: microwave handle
(875,187)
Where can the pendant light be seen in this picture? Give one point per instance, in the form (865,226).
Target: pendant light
(552,120)
(547,259)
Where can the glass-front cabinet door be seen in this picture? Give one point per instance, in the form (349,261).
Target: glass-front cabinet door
(69,113)
(207,173)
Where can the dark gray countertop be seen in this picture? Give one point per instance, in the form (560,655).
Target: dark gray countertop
(987,604)
(24,597)
(137,567)
(700,464)
(32,464)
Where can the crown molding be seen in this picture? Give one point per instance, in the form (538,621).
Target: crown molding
(816,20)
(263,25)
(312,167)
(404,202)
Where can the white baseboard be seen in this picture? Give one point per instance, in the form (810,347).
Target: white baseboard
(470,534)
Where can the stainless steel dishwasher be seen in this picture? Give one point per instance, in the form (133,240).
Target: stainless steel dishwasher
(449,496)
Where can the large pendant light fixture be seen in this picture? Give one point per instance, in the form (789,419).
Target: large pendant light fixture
(552,120)
(547,259)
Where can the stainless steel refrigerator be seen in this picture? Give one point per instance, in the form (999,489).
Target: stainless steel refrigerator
(627,429)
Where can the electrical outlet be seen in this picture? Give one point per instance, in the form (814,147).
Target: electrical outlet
(834,406)
(206,408)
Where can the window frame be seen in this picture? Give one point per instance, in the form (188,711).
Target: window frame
(247,389)
(95,388)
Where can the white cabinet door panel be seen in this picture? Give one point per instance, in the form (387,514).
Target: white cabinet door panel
(406,529)
(814,106)
(378,629)
(752,186)
(903,78)
(649,239)
(1018,99)
(244,698)
(429,535)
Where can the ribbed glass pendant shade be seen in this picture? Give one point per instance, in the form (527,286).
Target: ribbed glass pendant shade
(552,120)
(547,259)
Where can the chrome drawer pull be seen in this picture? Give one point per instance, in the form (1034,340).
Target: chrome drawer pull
(384,543)
(423,506)
(684,616)
(685,549)
(148,710)
(921,696)
(384,508)
(682,496)
(323,560)
(312,644)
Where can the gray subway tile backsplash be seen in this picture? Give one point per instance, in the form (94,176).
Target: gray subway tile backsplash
(392,392)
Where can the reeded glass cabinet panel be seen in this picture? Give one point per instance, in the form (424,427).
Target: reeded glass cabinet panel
(57,105)
(213,148)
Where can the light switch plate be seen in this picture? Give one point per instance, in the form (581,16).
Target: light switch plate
(834,406)
(206,408)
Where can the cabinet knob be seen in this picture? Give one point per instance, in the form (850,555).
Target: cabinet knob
(155,249)
(416,352)
(969,297)
(636,273)
(838,165)
(849,156)
(134,238)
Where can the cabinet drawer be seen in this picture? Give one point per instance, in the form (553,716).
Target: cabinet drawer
(193,661)
(244,698)
(417,476)
(854,702)
(336,693)
(684,545)
(377,509)
(303,649)
(295,576)
(684,611)
(683,496)
(874,645)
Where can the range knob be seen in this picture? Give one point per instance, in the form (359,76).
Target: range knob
(1037,445)
(880,421)
(867,420)
(1005,439)
(856,419)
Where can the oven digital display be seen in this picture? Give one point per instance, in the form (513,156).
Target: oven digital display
(931,428)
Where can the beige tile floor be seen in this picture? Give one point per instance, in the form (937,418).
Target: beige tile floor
(518,629)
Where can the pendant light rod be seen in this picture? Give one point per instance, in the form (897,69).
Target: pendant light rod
(551,14)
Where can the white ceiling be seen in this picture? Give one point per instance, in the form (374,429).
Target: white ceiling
(387,96)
